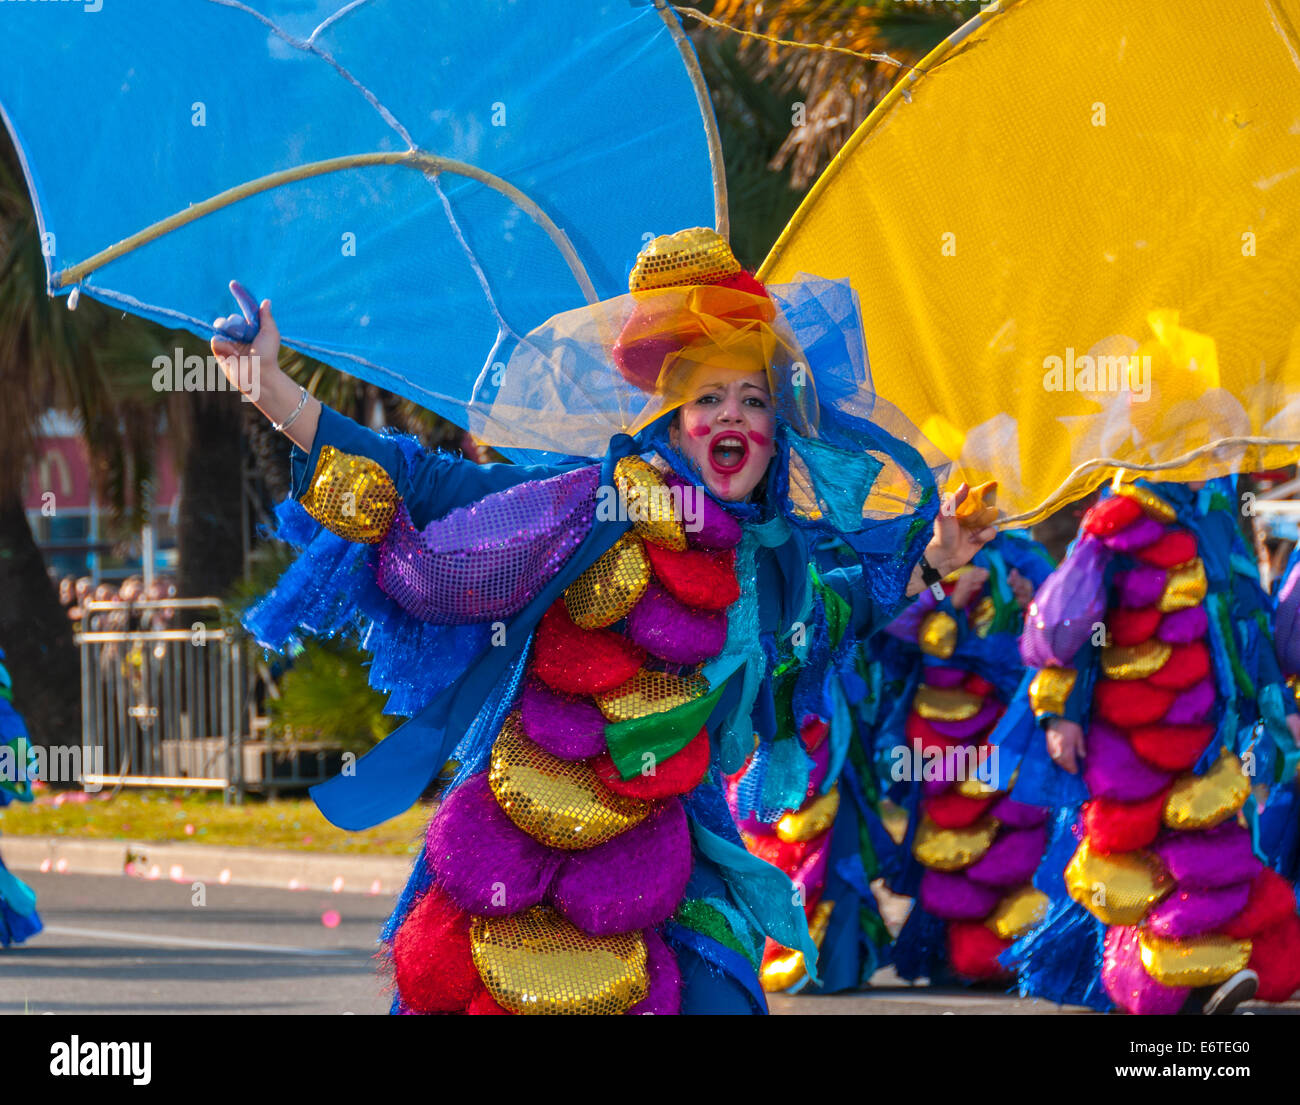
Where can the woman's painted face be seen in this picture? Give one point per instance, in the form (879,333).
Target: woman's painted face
(727,430)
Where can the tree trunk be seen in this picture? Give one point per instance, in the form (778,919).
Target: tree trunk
(210,534)
(36,635)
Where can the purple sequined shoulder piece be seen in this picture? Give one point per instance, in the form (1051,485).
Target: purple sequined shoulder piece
(489,559)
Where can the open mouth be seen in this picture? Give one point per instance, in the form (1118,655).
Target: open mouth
(728,452)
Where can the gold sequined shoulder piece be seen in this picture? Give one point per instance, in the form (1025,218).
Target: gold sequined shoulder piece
(1050,688)
(697,255)
(351,496)
(537,962)
(652,507)
(562,803)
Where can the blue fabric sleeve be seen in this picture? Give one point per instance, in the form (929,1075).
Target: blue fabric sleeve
(868,615)
(429,483)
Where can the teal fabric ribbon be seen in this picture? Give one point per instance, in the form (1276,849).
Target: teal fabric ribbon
(764,894)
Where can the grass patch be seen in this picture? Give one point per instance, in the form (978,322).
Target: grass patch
(197,817)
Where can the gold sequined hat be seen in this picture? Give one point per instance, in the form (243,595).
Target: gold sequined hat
(723,314)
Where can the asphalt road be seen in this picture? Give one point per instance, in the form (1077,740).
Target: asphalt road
(114,944)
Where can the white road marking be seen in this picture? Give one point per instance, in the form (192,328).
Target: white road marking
(191,942)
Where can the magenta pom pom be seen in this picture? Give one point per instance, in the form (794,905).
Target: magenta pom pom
(1140,586)
(664,998)
(632,882)
(1139,534)
(1189,912)
(1182,627)
(1208,859)
(568,727)
(951,896)
(937,676)
(1127,982)
(1012,858)
(713,527)
(672,631)
(484,862)
(1018,815)
(1193,705)
(1113,770)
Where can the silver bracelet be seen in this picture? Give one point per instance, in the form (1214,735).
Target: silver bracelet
(280,427)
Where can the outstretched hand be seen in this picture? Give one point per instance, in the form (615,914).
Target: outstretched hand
(954,544)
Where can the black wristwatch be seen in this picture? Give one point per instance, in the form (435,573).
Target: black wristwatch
(932,578)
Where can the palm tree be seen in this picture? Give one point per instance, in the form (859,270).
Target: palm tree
(824,96)
(52,357)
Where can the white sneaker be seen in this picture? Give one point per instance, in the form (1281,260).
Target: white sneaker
(1240,987)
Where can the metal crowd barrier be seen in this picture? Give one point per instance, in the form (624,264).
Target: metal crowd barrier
(167,706)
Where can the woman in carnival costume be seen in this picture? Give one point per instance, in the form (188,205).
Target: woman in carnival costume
(969,851)
(1154,705)
(18,917)
(592,641)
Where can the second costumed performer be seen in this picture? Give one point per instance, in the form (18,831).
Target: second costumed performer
(591,641)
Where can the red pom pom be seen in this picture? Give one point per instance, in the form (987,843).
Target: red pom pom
(484,1005)
(787,855)
(1130,702)
(1132,625)
(1275,957)
(679,773)
(581,661)
(977,685)
(1187,664)
(1271,902)
(1171,747)
(951,810)
(743,282)
(1175,547)
(432,965)
(1112,826)
(973,950)
(1111,515)
(696,577)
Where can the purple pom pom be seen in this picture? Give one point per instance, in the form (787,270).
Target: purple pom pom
(1193,912)
(1113,770)
(1193,705)
(1182,627)
(485,863)
(632,882)
(1140,586)
(1143,532)
(1018,815)
(1127,982)
(673,631)
(1011,860)
(664,997)
(716,528)
(1061,616)
(1208,859)
(570,728)
(951,896)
